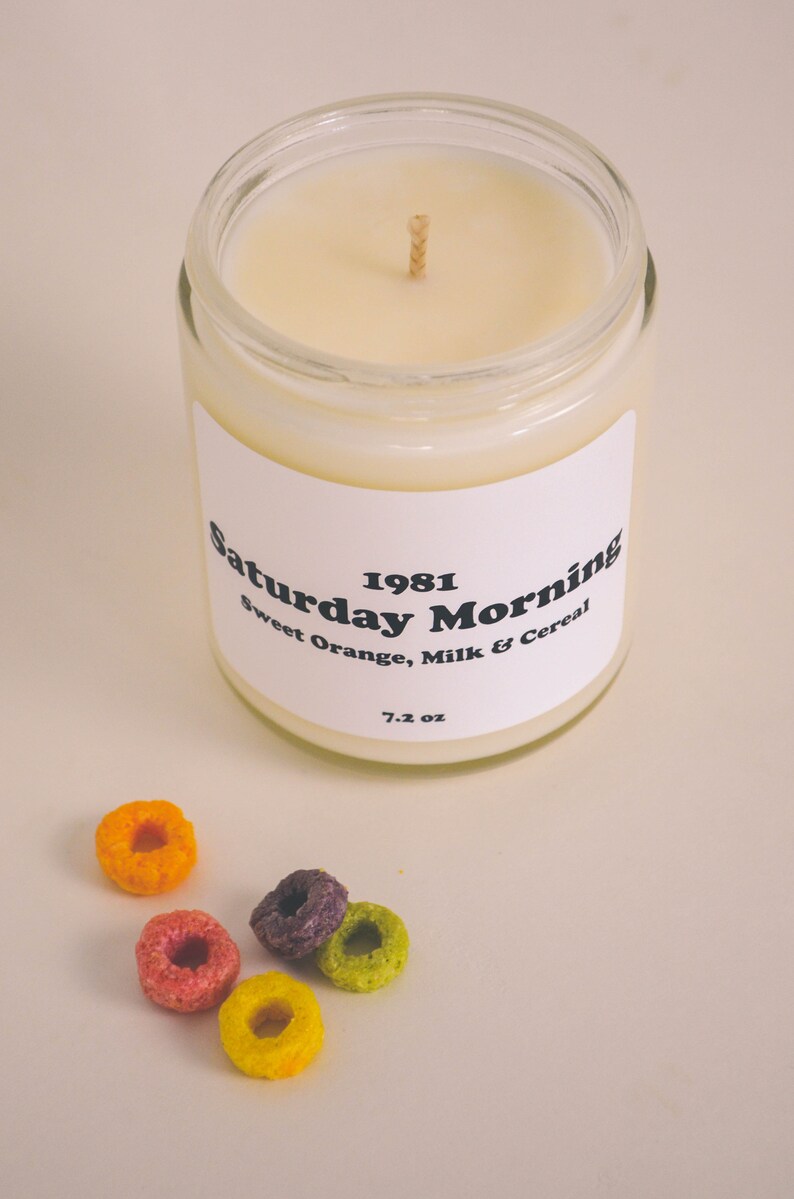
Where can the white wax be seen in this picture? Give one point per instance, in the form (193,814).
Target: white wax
(322,256)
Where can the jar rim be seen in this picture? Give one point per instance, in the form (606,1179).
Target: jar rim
(549,358)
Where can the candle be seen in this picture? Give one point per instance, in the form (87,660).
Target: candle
(415,341)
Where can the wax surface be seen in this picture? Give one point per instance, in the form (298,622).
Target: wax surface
(322,256)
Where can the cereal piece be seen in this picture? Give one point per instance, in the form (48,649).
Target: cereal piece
(146,847)
(365,971)
(304,910)
(271,998)
(186,961)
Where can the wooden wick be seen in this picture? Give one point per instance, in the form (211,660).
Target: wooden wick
(418,228)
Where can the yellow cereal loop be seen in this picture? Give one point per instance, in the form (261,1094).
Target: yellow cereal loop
(146,847)
(274,998)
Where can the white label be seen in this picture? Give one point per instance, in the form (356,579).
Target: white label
(416,615)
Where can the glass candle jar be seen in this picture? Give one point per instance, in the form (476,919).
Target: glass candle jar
(428,558)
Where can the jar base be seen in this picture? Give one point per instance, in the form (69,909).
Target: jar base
(466,752)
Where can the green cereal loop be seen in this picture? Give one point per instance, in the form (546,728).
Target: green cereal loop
(366,971)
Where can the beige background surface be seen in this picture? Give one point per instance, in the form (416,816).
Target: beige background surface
(599,1000)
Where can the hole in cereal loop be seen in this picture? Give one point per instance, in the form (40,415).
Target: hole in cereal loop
(290,905)
(272,1020)
(363,940)
(147,839)
(192,954)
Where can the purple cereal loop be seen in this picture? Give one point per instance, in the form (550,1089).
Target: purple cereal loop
(305,909)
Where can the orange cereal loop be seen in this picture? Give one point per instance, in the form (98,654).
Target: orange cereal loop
(146,847)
